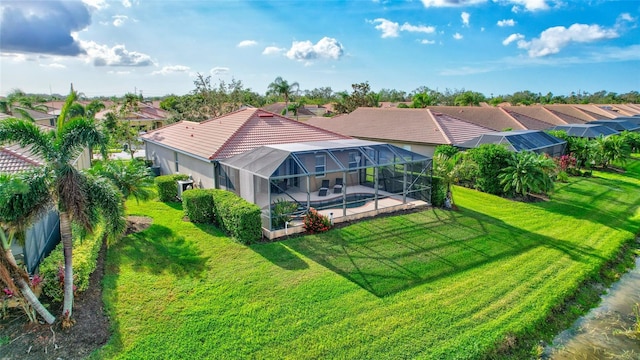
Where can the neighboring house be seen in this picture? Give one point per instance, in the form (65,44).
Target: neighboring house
(521,140)
(618,124)
(417,130)
(278,108)
(196,147)
(494,118)
(147,117)
(534,117)
(40,118)
(44,235)
(589,131)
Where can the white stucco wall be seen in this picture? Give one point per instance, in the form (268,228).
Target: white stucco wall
(200,170)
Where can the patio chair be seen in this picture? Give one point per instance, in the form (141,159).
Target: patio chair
(337,188)
(324,188)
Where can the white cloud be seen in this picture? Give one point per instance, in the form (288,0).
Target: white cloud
(247,43)
(552,40)
(529,5)
(506,22)
(457,36)
(392,29)
(97,4)
(119,20)
(326,48)
(626,17)
(511,38)
(171,69)
(126,3)
(102,55)
(219,70)
(465,18)
(54,66)
(388,28)
(120,72)
(451,3)
(272,50)
(417,28)
(427,42)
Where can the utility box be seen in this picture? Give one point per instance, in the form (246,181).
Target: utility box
(184,185)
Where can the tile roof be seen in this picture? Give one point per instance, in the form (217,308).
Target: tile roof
(404,125)
(530,122)
(493,118)
(535,112)
(278,108)
(569,113)
(13,159)
(235,133)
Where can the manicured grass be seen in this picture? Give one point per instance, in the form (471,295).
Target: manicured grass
(431,284)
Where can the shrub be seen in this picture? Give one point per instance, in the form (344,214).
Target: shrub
(491,159)
(314,222)
(447,150)
(85,255)
(281,213)
(237,217)
(438,191)
(168,186)
(198,205)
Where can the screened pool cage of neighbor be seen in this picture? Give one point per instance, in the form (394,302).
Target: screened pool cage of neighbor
(336,177)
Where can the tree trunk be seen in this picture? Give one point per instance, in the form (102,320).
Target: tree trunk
(67,246)
(24,287)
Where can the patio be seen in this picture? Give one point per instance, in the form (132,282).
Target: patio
(343,179)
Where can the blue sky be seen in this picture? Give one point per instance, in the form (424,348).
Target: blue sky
(157,47)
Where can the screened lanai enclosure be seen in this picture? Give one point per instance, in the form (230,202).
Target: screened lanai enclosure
(520,140)
(343,179)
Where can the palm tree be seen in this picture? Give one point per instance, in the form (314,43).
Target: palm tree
(23,197)
(131,177)
(78,197)
(421,100)
(527,173)
(282,88)
(609,149)
(17,101)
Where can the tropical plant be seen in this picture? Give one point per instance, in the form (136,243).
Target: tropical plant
(281,87)
(422,100)
(632,139)
(609,149)
(527,173)
(79,197)
(281,213)
(17,101)
(490,160)
(131,177)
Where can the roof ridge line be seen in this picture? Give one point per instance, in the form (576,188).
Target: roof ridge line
(442,131)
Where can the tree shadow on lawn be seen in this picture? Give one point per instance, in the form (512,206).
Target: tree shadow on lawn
(612,203)
(158,249)
(385,260)
(281,255)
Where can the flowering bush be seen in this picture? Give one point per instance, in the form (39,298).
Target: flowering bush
(566,162)
(314,222)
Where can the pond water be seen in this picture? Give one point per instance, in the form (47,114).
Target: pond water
(605,332)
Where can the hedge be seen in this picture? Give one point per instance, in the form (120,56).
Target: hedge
(237,217)
(85,257)
(198,205)
(168,186)
(438,191)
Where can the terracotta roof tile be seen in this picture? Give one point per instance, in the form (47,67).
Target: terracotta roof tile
(13,158)
(569,113)
(535,112)
(493,118)
(235,133)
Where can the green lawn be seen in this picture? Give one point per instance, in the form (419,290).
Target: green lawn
(433,284)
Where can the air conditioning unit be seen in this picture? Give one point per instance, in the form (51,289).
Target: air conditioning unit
(184,185)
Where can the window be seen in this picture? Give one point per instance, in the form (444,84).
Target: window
(177,166)
(354,161)
(321,165)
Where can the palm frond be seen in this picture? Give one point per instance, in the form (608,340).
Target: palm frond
(27,134)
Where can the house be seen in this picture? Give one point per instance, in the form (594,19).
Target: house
(417,130)
(196,147)
(521,140)
(618,124)
(146,117)
(494,118)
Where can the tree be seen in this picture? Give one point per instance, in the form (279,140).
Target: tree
(609,149)
(469,98)
(131,178)
(491,159)
(281,87)
(422,100)
(79,197)
(17,101)
(527,173)
(360,97)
